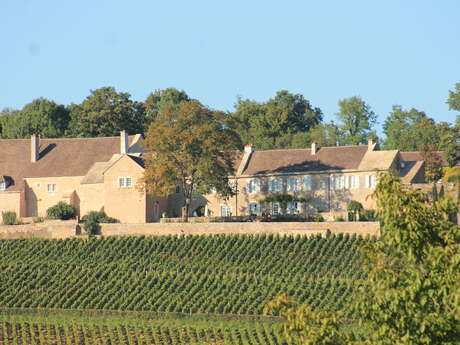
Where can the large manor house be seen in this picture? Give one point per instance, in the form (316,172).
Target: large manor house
(96,174)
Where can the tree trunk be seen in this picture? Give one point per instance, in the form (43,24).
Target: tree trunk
(186,209)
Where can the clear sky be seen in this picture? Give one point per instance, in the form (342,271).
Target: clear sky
(388,52)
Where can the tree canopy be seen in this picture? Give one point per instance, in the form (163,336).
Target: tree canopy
(156,100)
(273,124)
(356,121)
(40,116)
(105,113)
(192,147)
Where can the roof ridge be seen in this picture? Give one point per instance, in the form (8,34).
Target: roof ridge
(309,149)
(79,138)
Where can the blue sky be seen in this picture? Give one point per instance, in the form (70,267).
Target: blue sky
(387,52)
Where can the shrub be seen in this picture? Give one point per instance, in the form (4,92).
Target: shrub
(38,219)
(339,219)
(61,210)
(91,221)
(355,208)
(369,216)
(318,218)
(9,218)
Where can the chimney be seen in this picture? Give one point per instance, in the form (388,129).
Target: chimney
(123,142)
(34,147)
(248,148)
(370,145)
(313,148)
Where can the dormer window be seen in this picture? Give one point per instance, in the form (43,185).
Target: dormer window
(402,164)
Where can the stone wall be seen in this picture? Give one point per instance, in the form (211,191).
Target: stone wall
(252,228)
(49,229)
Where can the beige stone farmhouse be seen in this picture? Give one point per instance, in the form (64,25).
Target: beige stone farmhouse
(103,174)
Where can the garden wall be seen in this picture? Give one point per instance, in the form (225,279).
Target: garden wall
(246,228)
(47,229)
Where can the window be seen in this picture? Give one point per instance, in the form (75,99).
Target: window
(177,189)
(371,181)
(125,182)
(323,182)
(293,207)
(275,209)
(225,211)
(253,186)
(337,182)
(307,183)
(3,185)
(254,208)
(275,185)
(352,182)
(293,184)
(51,188)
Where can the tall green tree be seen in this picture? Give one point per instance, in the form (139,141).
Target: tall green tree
(454,98)
(406,130)
(105,113)
(156,100)
(190,146)
(356,121)
(41,116)
(274,124)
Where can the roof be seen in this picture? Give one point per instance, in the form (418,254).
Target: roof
(58,157)
(380,160)
(301,160)
(417,156)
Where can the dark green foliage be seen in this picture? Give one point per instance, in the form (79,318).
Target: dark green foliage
(156,100)
(105,113)
(91,221)
(41,116)
(193,274)
(369,216)
(9,218)
(355,209)
(275,123)
(61,210)
(356,121)
(434,193)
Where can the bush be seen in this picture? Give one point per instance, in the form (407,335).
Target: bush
(339,219)
(369,216)
(38,219)
(61,210)
(318,218)
(91,221)
(9,218)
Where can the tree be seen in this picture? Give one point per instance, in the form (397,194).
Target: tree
(433,164)
(156,100)
(356,121)
(454,98)
(412,292)
(105,113)
(274,124)
(41,116)
(406,130)
(190,146)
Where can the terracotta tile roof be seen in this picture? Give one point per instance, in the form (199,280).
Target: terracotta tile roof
(301,160)
(58,157)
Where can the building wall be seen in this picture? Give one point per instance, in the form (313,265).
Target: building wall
(10,201)
(126,204)
(91,198)
(38,199)
(322,199)
(48,229)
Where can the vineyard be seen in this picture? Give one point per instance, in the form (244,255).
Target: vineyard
(193,274)
(17,329)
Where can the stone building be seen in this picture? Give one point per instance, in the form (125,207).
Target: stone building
(105,174)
